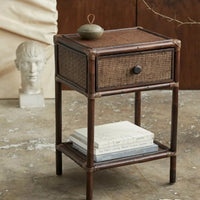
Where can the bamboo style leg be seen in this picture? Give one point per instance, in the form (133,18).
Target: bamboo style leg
(58,112)
(174,134)
(90,147)
(138,108)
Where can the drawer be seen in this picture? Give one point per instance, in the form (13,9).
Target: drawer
(134,69)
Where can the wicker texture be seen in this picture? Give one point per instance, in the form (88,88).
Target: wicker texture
(73,66)
(116,71)
(118,38)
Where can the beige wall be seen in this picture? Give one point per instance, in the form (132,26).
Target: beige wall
(22,20)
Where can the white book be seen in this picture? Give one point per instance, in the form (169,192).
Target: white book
(120,154)
(123,132)
(111,149)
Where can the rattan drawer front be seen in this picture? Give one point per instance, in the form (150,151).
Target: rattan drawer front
(116,71)
(72,66)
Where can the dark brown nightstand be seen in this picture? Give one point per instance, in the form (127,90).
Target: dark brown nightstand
(121,61)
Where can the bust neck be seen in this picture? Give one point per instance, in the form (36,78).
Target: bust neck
(31,88)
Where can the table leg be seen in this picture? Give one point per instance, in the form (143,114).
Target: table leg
(90,149)
(89,191)
(58,112)
(174,122)
(138,108)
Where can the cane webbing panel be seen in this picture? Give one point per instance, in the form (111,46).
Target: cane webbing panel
(116,71)
(73,66)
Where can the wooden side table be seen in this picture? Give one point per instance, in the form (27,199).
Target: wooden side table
(121,61)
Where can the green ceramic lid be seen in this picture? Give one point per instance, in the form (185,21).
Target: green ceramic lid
(90,31)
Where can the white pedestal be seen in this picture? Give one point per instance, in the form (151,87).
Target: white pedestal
(31,100)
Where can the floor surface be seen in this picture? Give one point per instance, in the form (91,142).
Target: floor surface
(27,155)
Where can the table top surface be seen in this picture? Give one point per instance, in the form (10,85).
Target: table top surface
(119,37)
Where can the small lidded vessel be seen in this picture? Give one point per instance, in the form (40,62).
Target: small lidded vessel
(90,31)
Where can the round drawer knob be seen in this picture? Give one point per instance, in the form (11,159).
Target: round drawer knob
(137,69)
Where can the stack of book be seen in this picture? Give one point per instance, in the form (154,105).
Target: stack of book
(115,140)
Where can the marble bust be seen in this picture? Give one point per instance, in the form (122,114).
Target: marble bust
(30,60)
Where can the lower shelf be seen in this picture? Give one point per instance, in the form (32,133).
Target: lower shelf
(81,159)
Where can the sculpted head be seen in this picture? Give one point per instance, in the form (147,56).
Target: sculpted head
(30,60)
